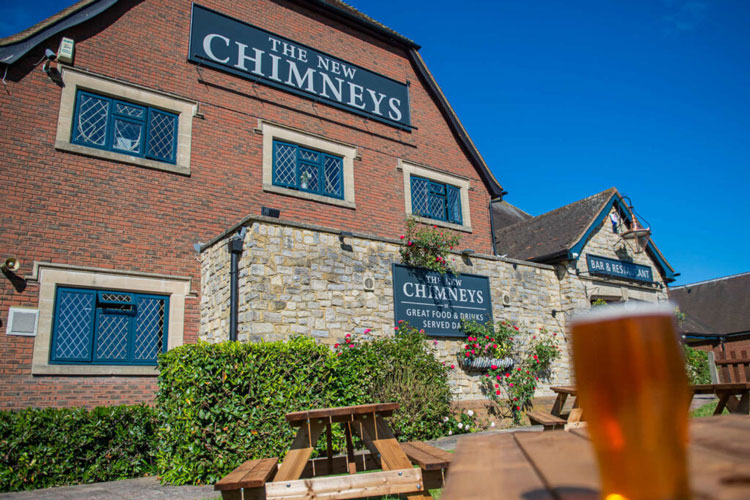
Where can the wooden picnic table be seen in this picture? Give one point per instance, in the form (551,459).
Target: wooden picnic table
(562,465)
(389,470)
(556,418)
(733,396)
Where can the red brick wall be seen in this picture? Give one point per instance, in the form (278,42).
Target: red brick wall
(66,208)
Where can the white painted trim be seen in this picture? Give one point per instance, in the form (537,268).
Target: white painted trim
(50,276)
(74,79)
(319,143)
(462,183)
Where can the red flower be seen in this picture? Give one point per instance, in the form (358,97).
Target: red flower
(335,346)
(535,356)
(409,243)
(351,345)
(498,392)
(473,351)
(518,408)
(554,334)
(515,399)
(468,354)
(536,378)
(497,385)
(507,375)
(453,366)
(400,321)
(515,327)
(494,367)
(395,328)
(486,374)
(533,337)
(402,236)
(347,335)
(519,368)
(434,227)
(367,330)
(499,377)
(494,345)
(476,345)
(511,384)
(487,336)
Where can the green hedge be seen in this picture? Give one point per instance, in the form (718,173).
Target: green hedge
(52,447)
(697,366)
(222,404)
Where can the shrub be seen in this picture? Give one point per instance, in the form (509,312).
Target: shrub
(513,388)
(222,404)
(400,369)
(52,447)
(427,247)
(697,366)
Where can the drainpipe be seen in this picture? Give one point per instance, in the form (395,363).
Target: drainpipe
(492,225)
(235,250)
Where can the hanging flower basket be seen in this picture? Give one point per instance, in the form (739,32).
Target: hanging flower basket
(487,363)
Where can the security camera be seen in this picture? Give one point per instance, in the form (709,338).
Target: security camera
(50,54)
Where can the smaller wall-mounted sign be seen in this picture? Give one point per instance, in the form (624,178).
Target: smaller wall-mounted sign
(437,303)
(619,269)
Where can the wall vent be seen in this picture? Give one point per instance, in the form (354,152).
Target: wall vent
(506,299)
(22,321)
(368,282)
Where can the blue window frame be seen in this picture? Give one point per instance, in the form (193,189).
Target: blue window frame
(108,327)
(435,200)
(307,170)
(123,127)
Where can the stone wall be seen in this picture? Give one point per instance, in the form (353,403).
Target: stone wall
(297,280)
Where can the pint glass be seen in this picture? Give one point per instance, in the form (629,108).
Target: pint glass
(633,389)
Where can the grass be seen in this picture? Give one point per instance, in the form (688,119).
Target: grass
(707,410)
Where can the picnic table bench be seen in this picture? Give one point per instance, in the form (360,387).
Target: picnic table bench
(555,419)
(388,464)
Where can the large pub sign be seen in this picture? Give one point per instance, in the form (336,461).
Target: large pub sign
(437,303)
(230,45)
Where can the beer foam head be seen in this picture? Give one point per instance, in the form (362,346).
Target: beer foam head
(623,310)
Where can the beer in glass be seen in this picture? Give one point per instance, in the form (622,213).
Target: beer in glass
(633,389)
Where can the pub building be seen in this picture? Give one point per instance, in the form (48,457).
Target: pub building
(176,171)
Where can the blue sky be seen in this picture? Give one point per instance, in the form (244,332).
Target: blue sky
(566,99)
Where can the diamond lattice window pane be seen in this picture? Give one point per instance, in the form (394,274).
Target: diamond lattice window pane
(419,190)
(128,110)
(74,325)
(112,337)
(162,130)
(306,154)
(91,123)
(149,329)
(308,177)
(454,204)
(333,178)
(437,207)
(127,136)
(285,165)
(116,297)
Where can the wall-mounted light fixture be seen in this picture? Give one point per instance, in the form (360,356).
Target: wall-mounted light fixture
(636,233)
(467,251)
(344,245)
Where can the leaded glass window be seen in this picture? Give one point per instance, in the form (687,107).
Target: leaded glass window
(307,170)
(124,127)
(106,327)
(435,200)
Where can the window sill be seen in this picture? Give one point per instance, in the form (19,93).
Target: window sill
(440,223)
(308,196)
(95,370)
(121,157)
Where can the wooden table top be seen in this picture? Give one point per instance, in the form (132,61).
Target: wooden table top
(711,388)
(564,389)
(342,412)
(561,465)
